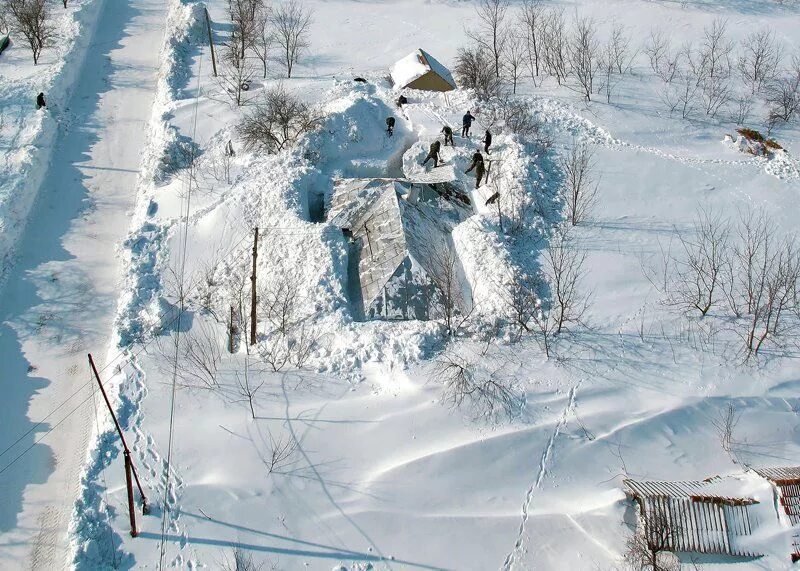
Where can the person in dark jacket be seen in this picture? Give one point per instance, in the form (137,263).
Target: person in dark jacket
(466,124)
(448,136)
(390,125)
(487,141)
(480,169)
(433,153)
(40,101)
(402,100)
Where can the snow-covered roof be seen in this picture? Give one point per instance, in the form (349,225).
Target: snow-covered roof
(699,516)
(417,67)
(787,479)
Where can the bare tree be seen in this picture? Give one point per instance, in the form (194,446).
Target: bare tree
(657,49)
(263,39)
(491,32)
(532,20)
(555,45)
(277,122)
(608,71)
(474,70)
(467,386)
(783,94)
(579,188)
(245,15)
(619,49)
(564,269)
(696,284)
(291,22)
(583,52)
(281,301)
(30,19)
(514,57)
(650,546)
(237,72)
(712,66)
(758,60)
(762,284)
(450,304)
(522,302)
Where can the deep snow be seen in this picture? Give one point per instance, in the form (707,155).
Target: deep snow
(382,473)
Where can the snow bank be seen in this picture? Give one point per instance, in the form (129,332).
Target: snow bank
(32,133)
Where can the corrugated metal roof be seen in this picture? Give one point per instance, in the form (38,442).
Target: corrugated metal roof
(696,518)
(388,229)
(787,479)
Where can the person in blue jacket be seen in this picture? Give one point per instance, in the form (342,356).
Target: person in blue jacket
(466,124)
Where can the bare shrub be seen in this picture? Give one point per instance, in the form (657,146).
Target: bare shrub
(697,275)
(295,347)
(291,22)
(201,356)
(649,548)
(712,66)
(281,452)
(563,270)
(281,301)
(30,19)
(579,188)
(725,426)
(474,70)
(762,285)
(246,390)
(782,94)
(491,33)
(277,122)
(450,304)
(583,51)
(240,560)
(468,387)
(522,302)
(758,59)
(657,50)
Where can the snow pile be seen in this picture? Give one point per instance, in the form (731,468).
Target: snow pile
(31,133)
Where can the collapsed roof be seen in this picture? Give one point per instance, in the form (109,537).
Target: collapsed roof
(787,480)
(390,220)
(420,70)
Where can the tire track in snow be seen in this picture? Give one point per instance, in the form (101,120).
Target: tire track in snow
(508,564)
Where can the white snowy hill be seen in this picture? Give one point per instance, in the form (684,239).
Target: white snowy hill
(443,376)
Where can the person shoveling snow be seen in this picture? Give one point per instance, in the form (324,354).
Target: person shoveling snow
(448,135)
(40,102)
(390,126)
(466,124)
(434,153)
(480,169)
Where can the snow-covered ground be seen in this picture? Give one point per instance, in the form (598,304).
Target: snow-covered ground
(60,296)
(375,469)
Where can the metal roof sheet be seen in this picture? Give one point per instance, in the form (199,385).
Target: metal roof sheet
(787,479)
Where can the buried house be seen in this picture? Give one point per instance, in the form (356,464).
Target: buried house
(400,244)
(420,70)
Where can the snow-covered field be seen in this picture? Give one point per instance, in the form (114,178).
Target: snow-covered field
(354,455)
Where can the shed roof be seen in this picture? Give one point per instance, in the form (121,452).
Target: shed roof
(701,516)
(787,479)
(420,70)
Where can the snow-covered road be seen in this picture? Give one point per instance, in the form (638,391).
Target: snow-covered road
(59,301)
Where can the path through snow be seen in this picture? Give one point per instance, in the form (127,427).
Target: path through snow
(59,301)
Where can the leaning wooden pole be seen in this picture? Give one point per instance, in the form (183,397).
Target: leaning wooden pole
(253,297)
(129,467)
(211,43)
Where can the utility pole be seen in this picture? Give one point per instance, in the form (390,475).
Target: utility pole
(211,43)
(129,467)
(231,333)
(253,291)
